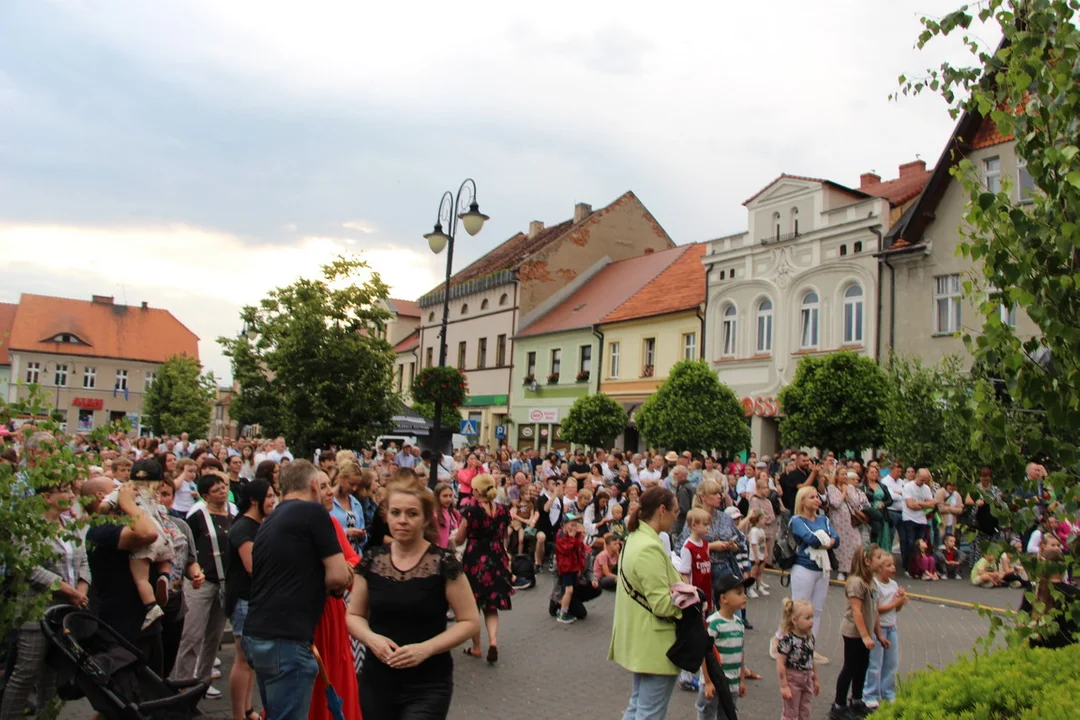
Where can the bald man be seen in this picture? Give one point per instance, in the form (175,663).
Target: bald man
(113,595)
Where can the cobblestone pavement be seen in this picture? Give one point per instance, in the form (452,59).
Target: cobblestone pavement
(549,671)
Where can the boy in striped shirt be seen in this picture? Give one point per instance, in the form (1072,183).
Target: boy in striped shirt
(727,630)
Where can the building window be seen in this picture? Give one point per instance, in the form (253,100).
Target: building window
(1025,184)
(431,316)
(809,324)
(465,308)
(857,247)
(461,355)
(481,353)
(60,376)
(503,299)
(428,360)
(649,356)
(585,364)
(149,380)
(992,174)
(412,373)
(33,372)
(794,221)
(484,304)
(1007,312)
(843,250)
(764,326)
(729,330)
(556,361)
(947,304)
(853,315)
(776,224)
(689,346)
(731,274)
(401,378)
(500,350)
(121,380)
(613,358)
(89,378)
(530,364)
(723,274)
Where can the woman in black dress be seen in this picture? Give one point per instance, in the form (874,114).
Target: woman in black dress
(483,527)
(398,610)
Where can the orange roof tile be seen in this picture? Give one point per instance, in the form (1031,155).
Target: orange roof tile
(404,308)
(409,343)
(680,287)
(7,320)
(899,190)
(603,292)
(104,328)
(988,135)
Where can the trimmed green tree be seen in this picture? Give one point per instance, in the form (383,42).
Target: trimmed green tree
(180,399)
(694,411)
(834,403)
(594,420)
(318,371)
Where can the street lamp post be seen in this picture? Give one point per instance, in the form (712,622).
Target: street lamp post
(452,208)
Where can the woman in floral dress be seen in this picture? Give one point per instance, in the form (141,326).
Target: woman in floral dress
(844,501)
(483,526)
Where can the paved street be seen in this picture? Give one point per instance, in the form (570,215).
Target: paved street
(551,671)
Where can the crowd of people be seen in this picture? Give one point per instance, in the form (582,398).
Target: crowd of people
(367,569)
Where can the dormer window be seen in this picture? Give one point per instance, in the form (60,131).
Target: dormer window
(66,338)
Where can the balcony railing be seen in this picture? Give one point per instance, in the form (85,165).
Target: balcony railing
(779,238)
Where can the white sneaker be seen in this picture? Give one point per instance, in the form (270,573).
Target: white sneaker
(872,704)
(762,590)
(152,616)
(215,674)
(764,586)
(751,593)
(217,662)
(213,693)
(841,577)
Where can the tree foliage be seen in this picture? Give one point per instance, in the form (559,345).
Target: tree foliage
(594,420)
(451,416)
(834,403)
(319,370)
(694,411)
(440,384)
(180,399)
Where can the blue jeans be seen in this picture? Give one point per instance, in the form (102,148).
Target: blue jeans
(285,671)
(650,697)
(881,675)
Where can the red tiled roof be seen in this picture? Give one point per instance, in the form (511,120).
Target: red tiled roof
(603,292)
(783,176)
(901,189)
(989,135)
(108,330)
(409,343)
(680,287)
(404,308)
(7,320)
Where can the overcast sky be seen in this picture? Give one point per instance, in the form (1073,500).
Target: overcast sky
(196,153)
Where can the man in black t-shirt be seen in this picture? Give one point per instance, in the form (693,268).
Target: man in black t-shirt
(113,595)
(802,476)
(295,562)
(579,469)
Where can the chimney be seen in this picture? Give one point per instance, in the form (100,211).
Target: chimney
(102,299)
(582,211)
(869,180)
(145,306)
(912,168)
(535,228)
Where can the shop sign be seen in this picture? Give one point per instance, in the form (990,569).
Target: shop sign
(526,432)
(88,403)
(761,406)
(544,415)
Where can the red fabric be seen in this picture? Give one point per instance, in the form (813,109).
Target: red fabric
(332,642)
(570,553)
(701,570)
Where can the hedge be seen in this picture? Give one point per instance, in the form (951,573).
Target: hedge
(1018,683)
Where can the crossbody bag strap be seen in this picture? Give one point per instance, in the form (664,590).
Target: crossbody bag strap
(638,597)
(212,530)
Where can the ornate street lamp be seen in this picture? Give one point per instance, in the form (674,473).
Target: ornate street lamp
(452,208)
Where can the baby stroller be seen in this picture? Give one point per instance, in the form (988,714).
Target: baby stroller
(92,660)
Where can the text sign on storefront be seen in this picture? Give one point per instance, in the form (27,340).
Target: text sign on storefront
(88,403)
(761,406)
(544,415)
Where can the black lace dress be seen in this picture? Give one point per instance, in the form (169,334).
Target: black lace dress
(407,606)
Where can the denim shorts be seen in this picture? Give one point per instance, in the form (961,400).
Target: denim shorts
(239,617)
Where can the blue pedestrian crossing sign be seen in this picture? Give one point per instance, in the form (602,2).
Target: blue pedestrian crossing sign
(468,428)
(500,432)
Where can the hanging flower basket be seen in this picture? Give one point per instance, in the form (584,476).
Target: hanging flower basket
(583,376)
(445,385)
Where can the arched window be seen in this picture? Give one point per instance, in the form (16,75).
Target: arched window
(795,220)
(431,316)
(776,223)
(484,304)
(764,326)
(809,324)
(853,315)
(730,329)
(503,299)
(465,308)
